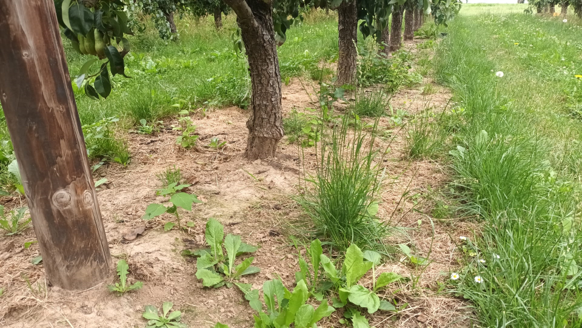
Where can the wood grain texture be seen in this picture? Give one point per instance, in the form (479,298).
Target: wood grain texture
(40,110)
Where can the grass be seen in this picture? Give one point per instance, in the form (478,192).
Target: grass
(516,158)
(169,176)
(371,104)
(426,138)
(341,197)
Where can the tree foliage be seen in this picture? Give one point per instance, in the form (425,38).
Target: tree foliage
(92,27)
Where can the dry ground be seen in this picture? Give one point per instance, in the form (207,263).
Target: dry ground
(253,199)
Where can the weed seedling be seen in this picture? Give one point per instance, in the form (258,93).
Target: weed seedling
(14,224)
(216,144)
(213,267)
(177,199)
(166,320)
(284,308)
(188,138)
(122,287)
(144,128)
(171,175)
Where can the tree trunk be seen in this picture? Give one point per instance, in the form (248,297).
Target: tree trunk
(409,24)
(41,114)
(218,18)
(564,11)
(552,8)
(170,19)
(396,31)
(416,19)
(348,37)
(265,123)
(539,9)
(546,8)
(385,40)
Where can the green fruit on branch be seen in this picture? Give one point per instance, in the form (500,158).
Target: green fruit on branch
(99,44)
(82,44)
(90,43)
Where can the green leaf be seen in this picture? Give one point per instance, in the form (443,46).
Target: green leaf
(183,200)
(29,243)
(373,257)
(151,313)
(100,182)
(85,68)
(373,209)
(205,261)
(166,307)
(175,315)
(154,210)
(65,13)
(304,316)
(36,260)
(305,274)
(329,268)
(354,265)
(208,277)
(359,321)
(386,306)
(251,295)
(298,298)
(251,270)
(231,244)
(315,251)
(246,249)
(122,270)
(405,249)
(323,310)
(103,84)
(387,278)
(81,19)
(271,289)
(91,92)
(361,296)
(15,170)
(214,237)
(219,325)
(115,60)
(241,268)
(168,226)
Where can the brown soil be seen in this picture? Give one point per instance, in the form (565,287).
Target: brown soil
(254,200)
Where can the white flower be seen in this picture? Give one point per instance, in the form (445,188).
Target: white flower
(496,256)
(565,21)
(482,260)
(463,238)
(454,276)
(499,74)
(478,279)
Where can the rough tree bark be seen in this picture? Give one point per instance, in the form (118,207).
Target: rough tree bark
(385,40)
(170,18)
(552,8)
(218,18)
(564,11)
(396,30)
(265,123)
(348,36)
(409,24)
(416,19)
(40,110)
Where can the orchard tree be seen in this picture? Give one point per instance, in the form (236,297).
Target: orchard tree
(564,7)
(162,12)
(577,4)
(262,28)
(215,8)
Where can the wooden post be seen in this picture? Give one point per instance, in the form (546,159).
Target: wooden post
(40,110)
